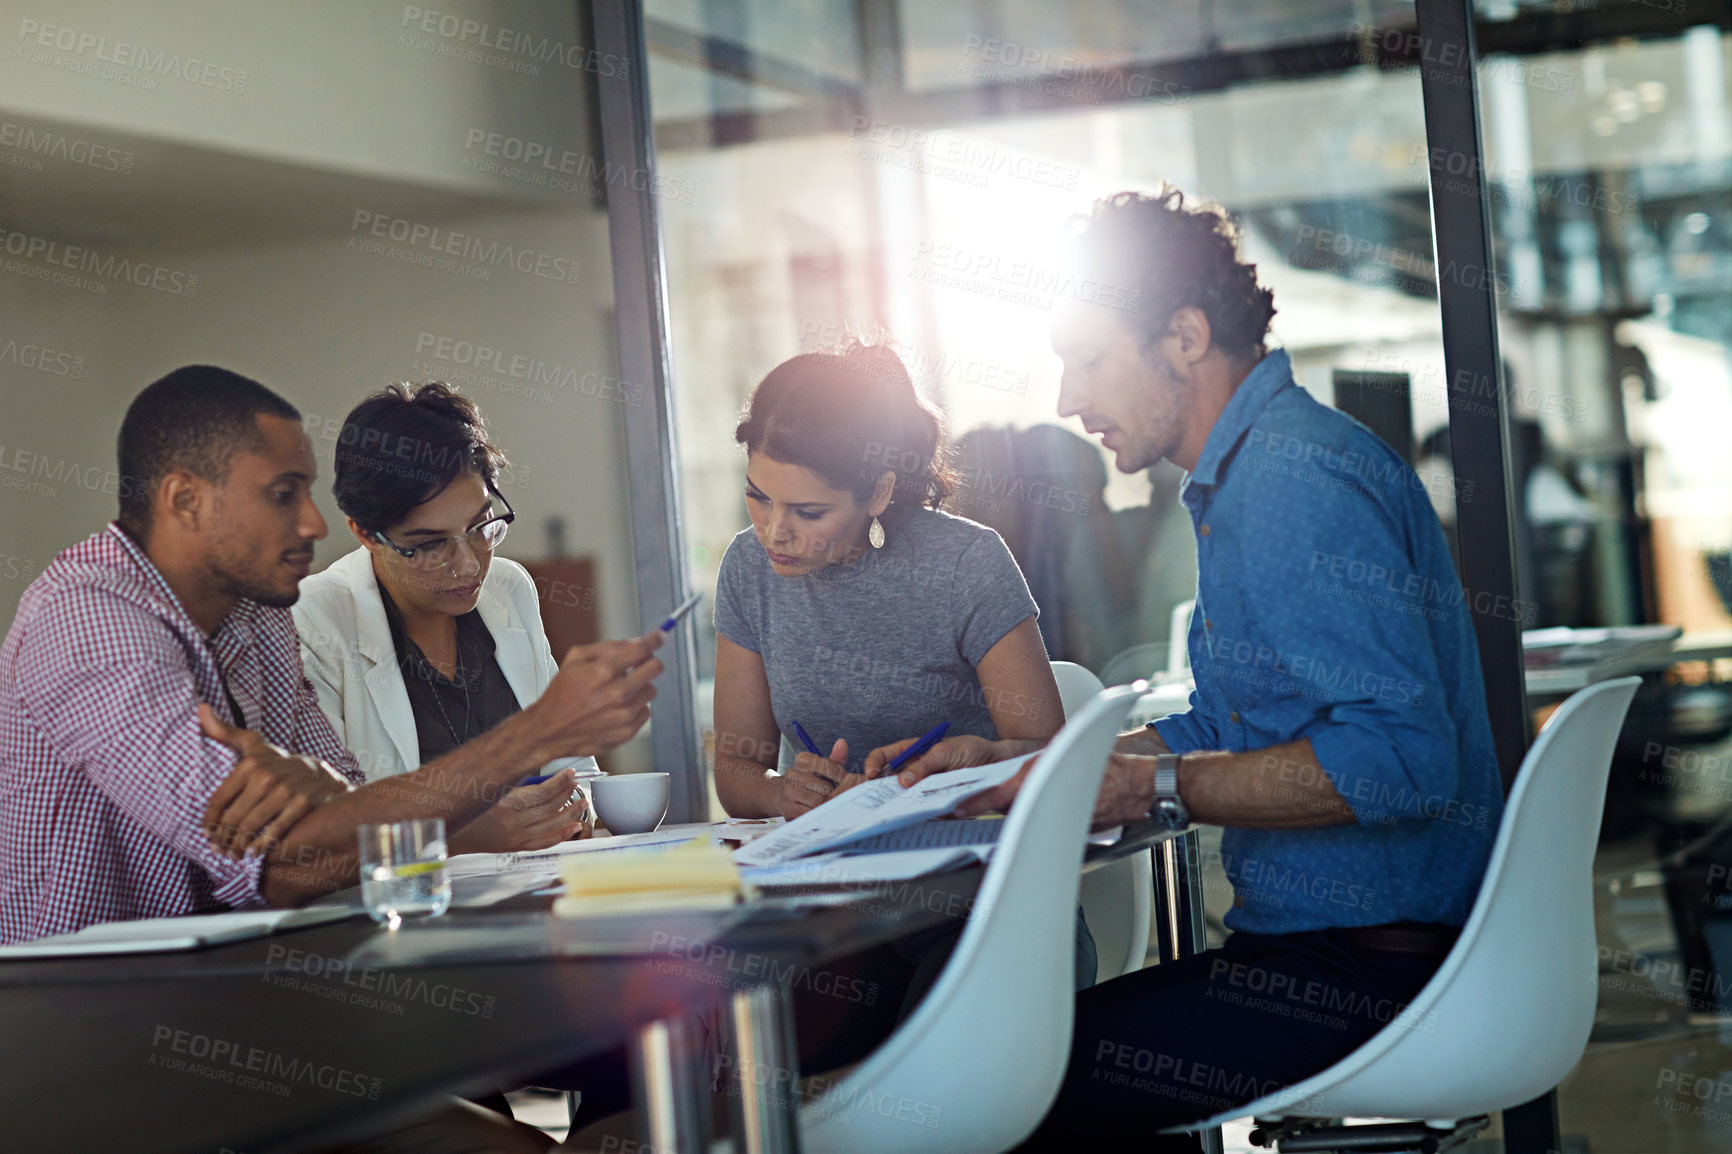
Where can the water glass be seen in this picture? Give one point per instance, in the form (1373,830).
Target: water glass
(403,870)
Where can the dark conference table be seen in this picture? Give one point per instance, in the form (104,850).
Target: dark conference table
(325,1033)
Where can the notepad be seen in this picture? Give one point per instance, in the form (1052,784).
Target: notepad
(165,935)
(692,876)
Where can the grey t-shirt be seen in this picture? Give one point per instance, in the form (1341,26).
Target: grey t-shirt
(882,648)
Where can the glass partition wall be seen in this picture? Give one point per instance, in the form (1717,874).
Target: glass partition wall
(905,172)
(909,177)
(1608,149)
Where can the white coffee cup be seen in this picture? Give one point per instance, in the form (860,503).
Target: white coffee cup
(630,802)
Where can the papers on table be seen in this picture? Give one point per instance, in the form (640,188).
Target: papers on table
(872,808)
(913,851)
(547,861)
(746,829)
(932,833)
(468,893)
(843,868)
(161,935)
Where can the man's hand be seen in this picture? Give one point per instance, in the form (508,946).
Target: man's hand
(268,791)
(813,780)
(1127,791)
(600,697)
(951,753)
(998,798)
(529,817)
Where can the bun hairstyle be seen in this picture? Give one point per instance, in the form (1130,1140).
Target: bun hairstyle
(850,416)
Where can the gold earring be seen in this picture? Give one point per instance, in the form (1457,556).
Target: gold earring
(876,534)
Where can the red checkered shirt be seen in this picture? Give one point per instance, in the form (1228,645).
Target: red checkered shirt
(104,772)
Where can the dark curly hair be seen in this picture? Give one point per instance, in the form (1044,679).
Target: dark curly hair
(850,415)
(1176,253)
(403,445)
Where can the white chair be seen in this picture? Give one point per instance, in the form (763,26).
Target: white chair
(1509,1012)
(1118,898)
(1178,638)
(978,1064)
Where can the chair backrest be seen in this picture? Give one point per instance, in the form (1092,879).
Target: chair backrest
(1076,685)
(1117,899)
(1508,1013)
(1179,637)
(976,1066)
(1143,661)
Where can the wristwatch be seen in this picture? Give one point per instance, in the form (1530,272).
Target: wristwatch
(1169,809)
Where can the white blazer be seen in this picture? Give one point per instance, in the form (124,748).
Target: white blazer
(347,651)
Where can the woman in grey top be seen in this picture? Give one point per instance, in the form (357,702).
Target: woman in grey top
(853,606)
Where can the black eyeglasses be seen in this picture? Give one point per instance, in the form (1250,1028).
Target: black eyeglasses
(441,552)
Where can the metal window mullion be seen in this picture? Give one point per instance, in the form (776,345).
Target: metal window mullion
(1479,439)
(651,451)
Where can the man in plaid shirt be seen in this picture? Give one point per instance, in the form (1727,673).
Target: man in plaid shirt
(161,752)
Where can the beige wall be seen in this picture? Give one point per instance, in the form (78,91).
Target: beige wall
(249,216)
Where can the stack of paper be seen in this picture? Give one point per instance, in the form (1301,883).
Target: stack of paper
(694,876)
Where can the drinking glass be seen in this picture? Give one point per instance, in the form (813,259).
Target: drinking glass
(403,870)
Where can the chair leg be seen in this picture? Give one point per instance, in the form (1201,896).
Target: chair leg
(1330,1136)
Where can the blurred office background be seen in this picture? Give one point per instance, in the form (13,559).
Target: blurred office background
(343,194)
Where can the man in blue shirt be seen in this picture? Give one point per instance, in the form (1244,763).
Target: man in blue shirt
(1338,729)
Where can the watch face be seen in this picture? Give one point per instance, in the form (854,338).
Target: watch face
(1168,814)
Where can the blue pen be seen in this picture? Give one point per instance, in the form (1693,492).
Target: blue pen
(806,739)
(918,748)
(686,607)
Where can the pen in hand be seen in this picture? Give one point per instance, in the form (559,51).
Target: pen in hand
(838,752)
(931,739)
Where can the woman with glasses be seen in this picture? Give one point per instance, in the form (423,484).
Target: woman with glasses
(422,639)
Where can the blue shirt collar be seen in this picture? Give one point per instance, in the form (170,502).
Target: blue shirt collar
(1273,373)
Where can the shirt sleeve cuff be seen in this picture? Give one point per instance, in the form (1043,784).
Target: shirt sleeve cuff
(1180,732)
(983,637)
(1366,772)
(241,888)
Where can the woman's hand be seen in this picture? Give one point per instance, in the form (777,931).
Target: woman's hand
(599,698)
(529,817)
(812,780)
(951,753)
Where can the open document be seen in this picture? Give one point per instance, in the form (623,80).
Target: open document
(874,808)
(159,935)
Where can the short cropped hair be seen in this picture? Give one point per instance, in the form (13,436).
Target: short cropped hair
(196,418)
(851,415)
(403,445)
(1175,253)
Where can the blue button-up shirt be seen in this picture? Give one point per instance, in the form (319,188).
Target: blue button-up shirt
(1328,608)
